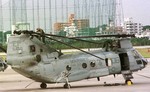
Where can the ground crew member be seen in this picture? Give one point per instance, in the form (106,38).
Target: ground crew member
(39,30)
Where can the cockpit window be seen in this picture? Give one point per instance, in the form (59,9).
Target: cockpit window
(139,61)
(135,54)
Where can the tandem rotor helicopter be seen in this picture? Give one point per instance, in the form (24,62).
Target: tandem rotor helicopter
(29,55)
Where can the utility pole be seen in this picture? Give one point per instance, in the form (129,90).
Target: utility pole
(1,22)
(13,11)
(1,16)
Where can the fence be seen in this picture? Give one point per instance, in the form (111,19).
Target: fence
(54,15)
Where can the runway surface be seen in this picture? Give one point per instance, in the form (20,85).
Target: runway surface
(11,81)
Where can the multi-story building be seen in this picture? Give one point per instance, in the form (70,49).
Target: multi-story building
(130,27)
(80,23)
(145,33)
(60,26)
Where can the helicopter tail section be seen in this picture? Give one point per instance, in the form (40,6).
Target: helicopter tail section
(16,54)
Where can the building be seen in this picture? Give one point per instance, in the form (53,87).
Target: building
(71,31)
(110,31)
(20,26)
(145,33)
(80,23)
(131,27)
(4,35)
(60,26)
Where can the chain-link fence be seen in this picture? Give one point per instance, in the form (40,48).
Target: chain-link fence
(54,16)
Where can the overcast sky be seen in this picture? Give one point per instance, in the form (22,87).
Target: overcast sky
(139,10)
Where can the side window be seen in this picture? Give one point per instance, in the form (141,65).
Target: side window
(32,48)
(68,68)
(108,62)
(92,64)
(84,65)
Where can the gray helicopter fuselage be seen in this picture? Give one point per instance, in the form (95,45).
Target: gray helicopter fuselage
(36,60)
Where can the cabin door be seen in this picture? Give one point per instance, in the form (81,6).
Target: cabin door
(124,61)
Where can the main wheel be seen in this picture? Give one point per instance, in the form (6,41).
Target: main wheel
(67,86)
(43,85)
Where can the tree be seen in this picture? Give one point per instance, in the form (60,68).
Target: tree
(104,27)
(146,27)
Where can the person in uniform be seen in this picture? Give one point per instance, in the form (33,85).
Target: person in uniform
(42,38)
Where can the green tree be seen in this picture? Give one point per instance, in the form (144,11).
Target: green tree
(146,27)
(104,27)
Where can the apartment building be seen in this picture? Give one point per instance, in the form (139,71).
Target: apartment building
(80,23)
(131,27)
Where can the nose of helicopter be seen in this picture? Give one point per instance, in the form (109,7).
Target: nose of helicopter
(145,62)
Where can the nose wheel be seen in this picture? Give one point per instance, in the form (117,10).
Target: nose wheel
(43,85)
(128,82)
(67,86)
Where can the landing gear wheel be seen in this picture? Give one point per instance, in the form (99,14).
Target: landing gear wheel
(128,82)
(67,86)
(43,85)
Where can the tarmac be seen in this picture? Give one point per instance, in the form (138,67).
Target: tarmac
(11,81)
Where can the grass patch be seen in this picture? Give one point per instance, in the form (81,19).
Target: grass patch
(145,52)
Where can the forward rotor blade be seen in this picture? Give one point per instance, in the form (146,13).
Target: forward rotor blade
(75,48)
(72,38)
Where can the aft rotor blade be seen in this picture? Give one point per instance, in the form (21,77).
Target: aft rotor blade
(100,36)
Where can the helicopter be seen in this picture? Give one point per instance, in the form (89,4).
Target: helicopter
(30,56)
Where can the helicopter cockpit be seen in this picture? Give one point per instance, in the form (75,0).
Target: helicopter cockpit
(139,59)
